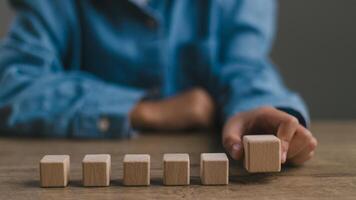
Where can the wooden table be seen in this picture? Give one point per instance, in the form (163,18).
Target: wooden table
(330,175)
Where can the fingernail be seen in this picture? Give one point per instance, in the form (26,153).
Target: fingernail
(235,149)
(284,157)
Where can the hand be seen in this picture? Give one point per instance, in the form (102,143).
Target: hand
(297,143)
(191,109)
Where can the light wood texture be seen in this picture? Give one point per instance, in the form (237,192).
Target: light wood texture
(176,169)
(330,175)
(54,170)
(137,169)
(214,169)
(96,170)
(262,153)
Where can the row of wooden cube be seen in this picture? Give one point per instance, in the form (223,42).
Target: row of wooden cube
(54,169)
(262,154)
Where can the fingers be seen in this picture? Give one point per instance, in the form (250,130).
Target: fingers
(232,133)
(306,153)
(285,133)
(283,123)
(299,142)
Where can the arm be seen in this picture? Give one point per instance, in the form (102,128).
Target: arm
(256,95)
(38,96)
(246,70)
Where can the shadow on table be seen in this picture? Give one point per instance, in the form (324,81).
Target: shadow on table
(32,183)
(194,180)
(36,184)
(252,179)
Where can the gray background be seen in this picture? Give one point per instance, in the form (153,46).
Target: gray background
(315,51)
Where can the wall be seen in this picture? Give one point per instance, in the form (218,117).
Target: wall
(5,17)
(316,53)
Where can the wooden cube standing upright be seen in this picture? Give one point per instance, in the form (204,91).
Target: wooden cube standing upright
(176,170)
(214,169)
(136,169)
(54,170)
(262,153)
(96,170)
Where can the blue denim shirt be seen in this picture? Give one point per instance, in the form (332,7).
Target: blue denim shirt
(76,68)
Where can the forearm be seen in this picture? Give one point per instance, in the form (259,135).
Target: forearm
(191,109)
(247,76)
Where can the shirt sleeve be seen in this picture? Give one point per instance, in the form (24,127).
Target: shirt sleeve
(38,97)
(247,75)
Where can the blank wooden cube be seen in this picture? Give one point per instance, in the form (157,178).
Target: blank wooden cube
(136,169)
(176,170)
(262,153)
(214,169)
(54,170)
(96,170)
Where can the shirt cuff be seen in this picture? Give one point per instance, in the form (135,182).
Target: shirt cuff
(105,114)
(289,102)
(296,114)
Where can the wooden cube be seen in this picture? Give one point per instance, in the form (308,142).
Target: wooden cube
(136,169)
(176,170)
(96,170)
(262,153)
(214,169)
(54,170)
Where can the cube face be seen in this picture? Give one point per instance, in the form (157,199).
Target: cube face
(262,153)
(54,170)
(176,169)
(214,169)
(136,170)
(96,170)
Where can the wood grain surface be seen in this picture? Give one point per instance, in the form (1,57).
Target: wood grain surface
(96,170)
(330,175)
(176,169)
(214,169)
(137,170)
(262,153)
(54,170)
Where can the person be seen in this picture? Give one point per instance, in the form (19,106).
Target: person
(105,68)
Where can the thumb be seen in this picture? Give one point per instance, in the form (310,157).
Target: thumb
(231,138)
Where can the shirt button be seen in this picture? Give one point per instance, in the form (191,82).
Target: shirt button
(103,124)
